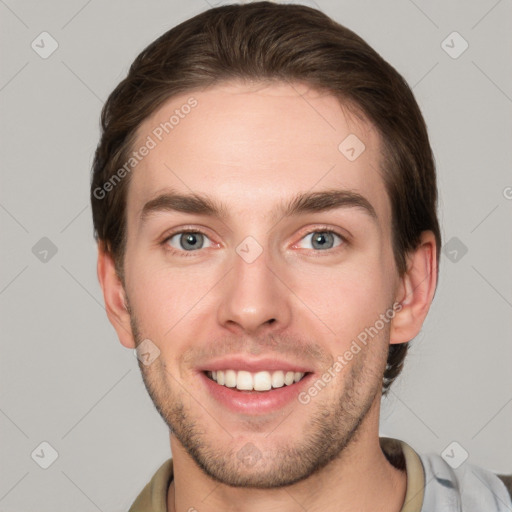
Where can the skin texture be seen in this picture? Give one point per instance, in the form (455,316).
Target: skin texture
(251,147)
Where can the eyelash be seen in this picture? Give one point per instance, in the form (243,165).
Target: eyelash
(320,229)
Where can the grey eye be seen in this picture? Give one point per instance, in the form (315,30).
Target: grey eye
(322,239)
(188,240)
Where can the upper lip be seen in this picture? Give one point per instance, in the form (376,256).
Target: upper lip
(253,365)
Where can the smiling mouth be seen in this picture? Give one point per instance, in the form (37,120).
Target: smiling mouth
(242,380)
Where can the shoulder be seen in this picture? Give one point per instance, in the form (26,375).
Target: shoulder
(153,498)
(467,487)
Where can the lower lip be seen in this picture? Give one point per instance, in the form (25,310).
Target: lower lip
(255,402)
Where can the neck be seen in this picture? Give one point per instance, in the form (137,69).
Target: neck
(361,479)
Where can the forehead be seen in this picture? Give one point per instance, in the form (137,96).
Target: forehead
(253,146)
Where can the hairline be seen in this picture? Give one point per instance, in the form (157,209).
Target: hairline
(347,105)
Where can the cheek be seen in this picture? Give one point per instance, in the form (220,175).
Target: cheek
(347,298)
(166,301)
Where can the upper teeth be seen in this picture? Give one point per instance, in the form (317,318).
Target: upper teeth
(259,381)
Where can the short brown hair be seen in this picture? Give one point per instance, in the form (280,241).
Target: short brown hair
(264,41)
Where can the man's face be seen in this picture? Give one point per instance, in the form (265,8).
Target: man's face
(256,290)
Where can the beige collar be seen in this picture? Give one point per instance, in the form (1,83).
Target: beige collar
(153,497)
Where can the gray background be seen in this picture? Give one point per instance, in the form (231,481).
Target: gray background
(65,378)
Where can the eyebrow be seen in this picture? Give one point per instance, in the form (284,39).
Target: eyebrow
(301,203)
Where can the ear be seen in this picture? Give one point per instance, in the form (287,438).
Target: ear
(416,290)
(115,297)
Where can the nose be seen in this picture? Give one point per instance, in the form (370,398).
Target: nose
(254,298)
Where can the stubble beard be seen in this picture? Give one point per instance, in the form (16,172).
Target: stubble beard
(331,427)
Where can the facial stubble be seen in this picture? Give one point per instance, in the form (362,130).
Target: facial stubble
(261,462)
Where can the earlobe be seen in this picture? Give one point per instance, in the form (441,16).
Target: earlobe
(416,290)
(115,297)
